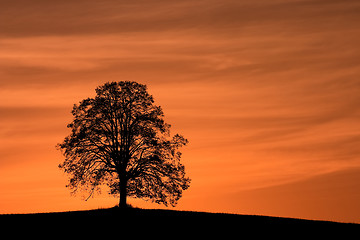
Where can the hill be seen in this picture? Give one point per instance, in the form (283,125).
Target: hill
(138,220)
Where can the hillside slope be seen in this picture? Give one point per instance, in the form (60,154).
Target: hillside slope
(142,221)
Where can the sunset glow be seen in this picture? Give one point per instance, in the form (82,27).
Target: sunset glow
(266,92)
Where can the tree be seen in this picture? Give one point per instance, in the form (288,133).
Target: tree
(120,139)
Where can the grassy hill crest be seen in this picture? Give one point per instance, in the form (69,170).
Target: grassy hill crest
(168,217)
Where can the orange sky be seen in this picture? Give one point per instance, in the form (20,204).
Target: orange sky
(267,92)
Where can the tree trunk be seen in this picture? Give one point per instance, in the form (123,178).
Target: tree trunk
(123,188)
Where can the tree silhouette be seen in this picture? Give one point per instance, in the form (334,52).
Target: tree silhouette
(119,138)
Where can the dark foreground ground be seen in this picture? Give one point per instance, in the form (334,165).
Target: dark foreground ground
(150,222)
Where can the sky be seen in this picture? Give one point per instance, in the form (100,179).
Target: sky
(267,92)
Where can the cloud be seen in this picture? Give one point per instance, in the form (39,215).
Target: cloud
(329,196)
(89,17)
(27,132)
(20,18)
(35,113)
(268,42)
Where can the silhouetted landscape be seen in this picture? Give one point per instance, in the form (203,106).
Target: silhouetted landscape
(186,220)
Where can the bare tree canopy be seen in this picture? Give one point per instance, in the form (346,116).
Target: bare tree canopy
(120,138)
